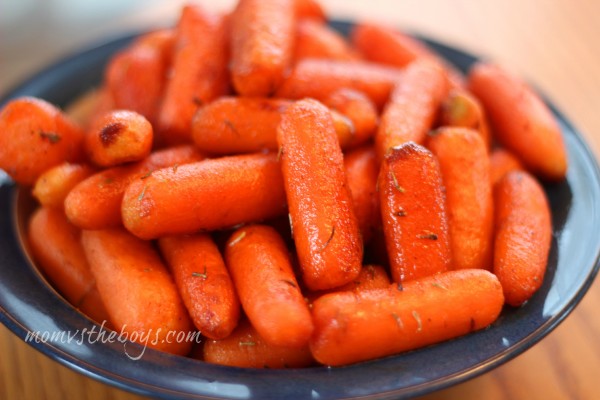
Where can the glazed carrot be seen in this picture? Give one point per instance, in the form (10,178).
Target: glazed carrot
(245,348)
(52,187)
(361,171)
(103,104)
(262,41)
(309,9)
(95,203)
(315,39)
(359,109)
(352,327)
(370,277)
(503,161)
(206,195)
(35,136)
(412,108)
(86,106)
(203,282)
(119,137)
(521,121)
(462,109)
(465,166)
(234,125)
(325,228)
(523,235)
(319,78)
(413,212)
(198,72)
(137,290)
(260,266)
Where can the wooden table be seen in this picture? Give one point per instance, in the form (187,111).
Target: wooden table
(553,43)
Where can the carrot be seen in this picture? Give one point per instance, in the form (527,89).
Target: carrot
(465,166)
(137,290)
(35,136)
(198,72)
(103,104)
(352,327)
(523,236)
(203,282)
(318,78)
(95,203)
(413,212)
(86,106)
(503,161)
(245,348)
(262,42)
(412,108)
(325,228)
(206,195)
(462,109)
(309,9)
(119,137)
(359,109)
(234,125)
(260,266)
(52,187)
(361,171)
(521,121)
(315,39)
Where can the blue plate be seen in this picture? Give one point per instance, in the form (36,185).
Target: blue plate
(28,304)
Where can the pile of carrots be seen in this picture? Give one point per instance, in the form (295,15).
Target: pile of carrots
(298,197)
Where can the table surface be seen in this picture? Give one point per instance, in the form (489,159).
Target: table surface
(552,43)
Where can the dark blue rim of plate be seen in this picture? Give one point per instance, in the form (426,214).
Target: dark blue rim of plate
(28,303)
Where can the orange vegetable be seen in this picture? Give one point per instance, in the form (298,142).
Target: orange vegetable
(315,39)
(462,109)
(503,161)
(325,228)
(359,109)
(413,211)
(523,236)
(309,9)
(52,187)
(370,277)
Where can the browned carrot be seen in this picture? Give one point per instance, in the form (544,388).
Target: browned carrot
(465,166)
(260,266)
(503,161)
(95,203)
(315,39)
(309,9)
(462,109)
(54,185)
(247,349)
(412,108)
(521,120)
(523,236)
(206,195)
(359,109)
(325,228)
(319,78)
(35,136)
(138,292)
(353,327)
(413,211)
(119,137)
(198,72)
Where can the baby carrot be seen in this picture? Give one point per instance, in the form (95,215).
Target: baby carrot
(262,40)
(203,282)
(359,109)
(52,187)
(465,167)
(315,39)
(413,212)
(462,109)
(309,9)
(527,128)
(523,235)
(503,161)
(412,108)
(35,136)
(352,327)
(325,228)
(207,195)
(260,266)
(245,348)
(137,289)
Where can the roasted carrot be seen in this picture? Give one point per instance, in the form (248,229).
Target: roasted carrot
(465,166)
(52,187)
(359,109)
(462,109)
(503,161)
(523,236)
(35,136)
(315,39)
(352,327)
(86,106)
(245,348)
(412,108)
(103,104)
(207,195)
(119,137)
(413,212)
(325,228)
(262,45)
(138,291)
(318,78)
(95,203)
(309,9)
(198,72)
(260,266)
(521,120)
